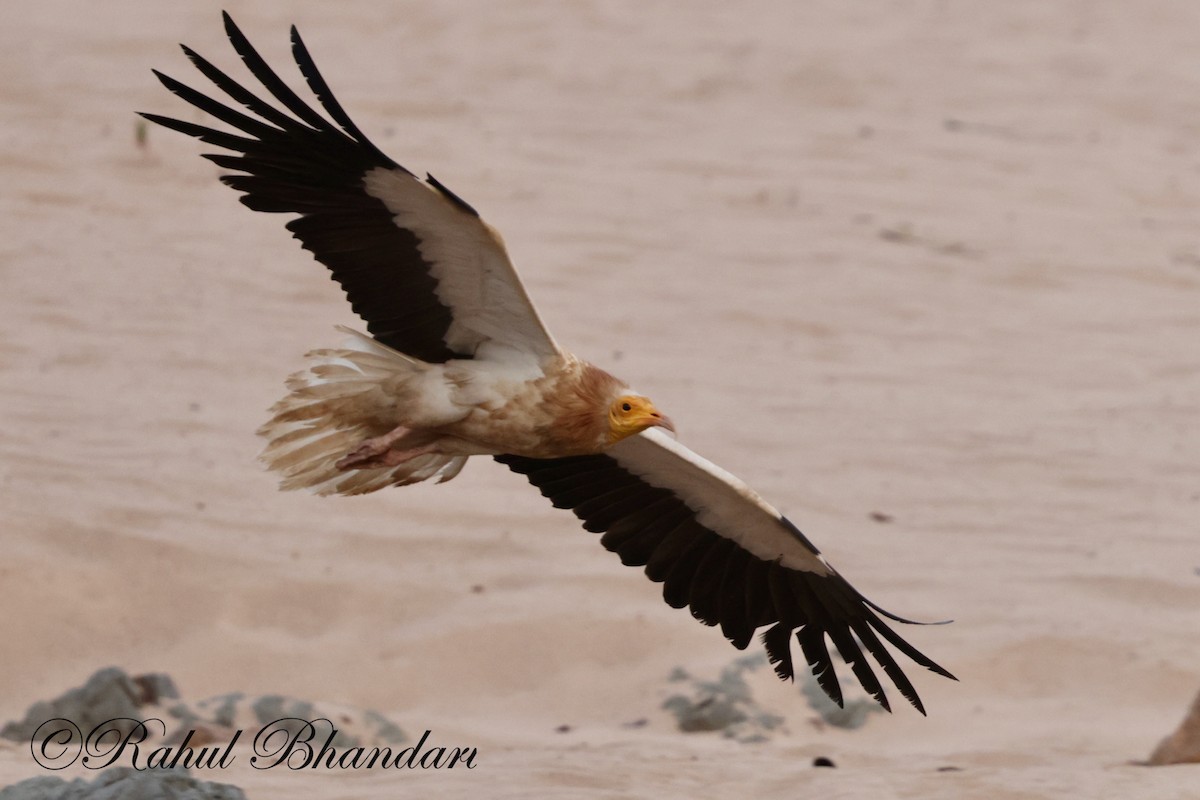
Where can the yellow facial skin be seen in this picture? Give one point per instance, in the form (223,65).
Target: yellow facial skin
(630,414)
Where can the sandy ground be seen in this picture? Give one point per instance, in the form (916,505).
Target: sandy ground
(935,260)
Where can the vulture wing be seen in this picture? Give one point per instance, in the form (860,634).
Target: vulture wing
(430,278)
(720,549)
(434,281)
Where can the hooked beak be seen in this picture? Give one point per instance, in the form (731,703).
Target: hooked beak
(661,421)
(639,415)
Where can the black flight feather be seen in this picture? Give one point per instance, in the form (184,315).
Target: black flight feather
(724,584)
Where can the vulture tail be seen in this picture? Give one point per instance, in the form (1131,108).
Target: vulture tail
(334,406)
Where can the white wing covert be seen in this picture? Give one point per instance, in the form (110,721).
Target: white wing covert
(418,264)
(722,551)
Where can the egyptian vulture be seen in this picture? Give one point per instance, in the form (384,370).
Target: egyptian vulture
(459,364)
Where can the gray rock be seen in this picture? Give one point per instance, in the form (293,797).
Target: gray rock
(294,716)
(851,714)
(123,783)
(154,687)
(708,713)
(108,694)
(724,705)
(111,694)
(386,731)
(226,705)
(184,714)
(45,787)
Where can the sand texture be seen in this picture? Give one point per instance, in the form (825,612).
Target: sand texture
(925,274)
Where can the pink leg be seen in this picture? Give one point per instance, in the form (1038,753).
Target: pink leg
(379,452)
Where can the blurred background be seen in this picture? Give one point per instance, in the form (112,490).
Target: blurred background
(925,274)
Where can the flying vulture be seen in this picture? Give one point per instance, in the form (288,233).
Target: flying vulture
(459,364)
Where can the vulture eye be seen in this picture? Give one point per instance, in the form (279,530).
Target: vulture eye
(626,407)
